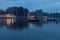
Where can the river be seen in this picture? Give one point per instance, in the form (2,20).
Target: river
(12,29)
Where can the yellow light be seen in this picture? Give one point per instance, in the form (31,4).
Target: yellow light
(8,21)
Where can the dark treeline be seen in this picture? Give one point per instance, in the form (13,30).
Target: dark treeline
(17,11)
(20,11)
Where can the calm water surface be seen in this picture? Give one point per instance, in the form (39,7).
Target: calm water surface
(15,29)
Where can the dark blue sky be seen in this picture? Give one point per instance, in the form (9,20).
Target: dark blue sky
(46,5)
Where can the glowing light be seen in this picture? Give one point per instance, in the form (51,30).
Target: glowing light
(8,22)
(31,17)
(12,21)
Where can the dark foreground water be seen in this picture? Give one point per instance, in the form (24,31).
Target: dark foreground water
(12,29)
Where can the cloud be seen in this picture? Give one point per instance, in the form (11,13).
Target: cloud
(46,5)
(54,4)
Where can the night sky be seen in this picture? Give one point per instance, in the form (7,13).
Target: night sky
(46,5)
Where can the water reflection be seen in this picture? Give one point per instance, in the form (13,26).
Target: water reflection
(37,24)
(54,22)
(21,24)
(16,24)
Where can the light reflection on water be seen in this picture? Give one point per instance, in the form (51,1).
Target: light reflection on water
(17,29)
